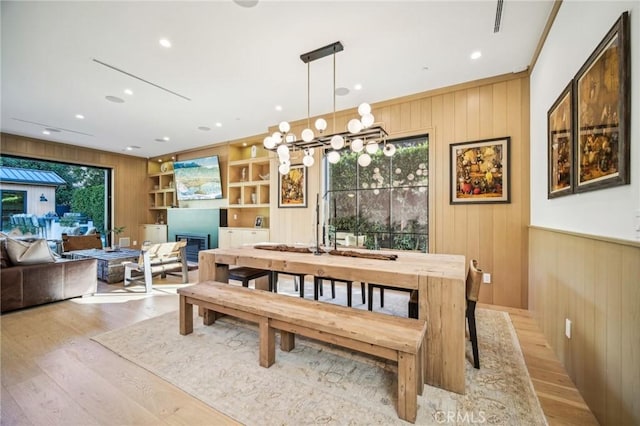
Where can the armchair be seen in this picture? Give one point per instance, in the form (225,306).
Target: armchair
(157,259)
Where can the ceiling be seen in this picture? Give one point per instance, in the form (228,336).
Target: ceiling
(232,65)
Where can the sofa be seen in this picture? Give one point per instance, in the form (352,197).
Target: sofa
(22,286)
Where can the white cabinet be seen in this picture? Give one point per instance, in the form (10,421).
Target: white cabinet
(235,237)
(154,233)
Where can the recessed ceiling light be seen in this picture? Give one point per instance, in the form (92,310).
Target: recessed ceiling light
(52,130)
(159,140)
(244,144)
(357,86)
(278,107)
(80,116)
(46,132)
(476,54)
(204,128)
(114,99)
(128,92)
(132,147)
(218,124)
(165,43)
(425,68)
(246,3)
(165,138)
(342,91)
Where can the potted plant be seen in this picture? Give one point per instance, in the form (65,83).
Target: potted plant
(117,230)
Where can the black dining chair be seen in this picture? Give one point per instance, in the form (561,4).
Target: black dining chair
(474,280)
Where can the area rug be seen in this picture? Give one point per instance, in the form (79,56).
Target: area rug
(318,383)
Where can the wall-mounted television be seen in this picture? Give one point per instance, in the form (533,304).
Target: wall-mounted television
(198,179)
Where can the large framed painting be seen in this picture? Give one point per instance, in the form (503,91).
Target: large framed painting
(479,172)
(603,105)
(560,144)
(292,187)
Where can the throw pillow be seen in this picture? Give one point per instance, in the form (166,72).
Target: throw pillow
(5,262)
(29,252)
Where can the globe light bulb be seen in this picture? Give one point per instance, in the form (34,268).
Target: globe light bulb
(389,149)
(364,160)
(283,169)
(354,126)
(307,135)
(283,150)
(333,157)
(372,147)
(337,142)
(308,160)
(364,109)
(357,145)
(321,124)
(284,127)
(269,143)
(367,120)
(277,137)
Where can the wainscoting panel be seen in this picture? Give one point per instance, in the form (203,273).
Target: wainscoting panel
(595,283)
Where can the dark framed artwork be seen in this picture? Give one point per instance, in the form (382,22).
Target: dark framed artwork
(603,105)
(259,221)
(479,172)
(292,187)
(560,145)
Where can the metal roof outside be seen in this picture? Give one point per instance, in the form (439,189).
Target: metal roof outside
(30,176)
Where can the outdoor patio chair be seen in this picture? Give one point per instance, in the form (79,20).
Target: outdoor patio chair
(157,259)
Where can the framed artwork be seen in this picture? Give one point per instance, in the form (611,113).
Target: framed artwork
(479,172)
(560,145)
(602,89)
(292,187)
(259,221)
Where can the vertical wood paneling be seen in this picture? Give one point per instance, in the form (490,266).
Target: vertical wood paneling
(595,283)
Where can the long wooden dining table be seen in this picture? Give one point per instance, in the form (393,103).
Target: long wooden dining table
(439,279)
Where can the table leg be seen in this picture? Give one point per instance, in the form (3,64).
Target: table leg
(186,316)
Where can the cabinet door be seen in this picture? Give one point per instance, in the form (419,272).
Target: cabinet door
(224,237)
(255,236)
(154,233)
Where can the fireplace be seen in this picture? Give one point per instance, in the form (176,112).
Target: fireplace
(195,243)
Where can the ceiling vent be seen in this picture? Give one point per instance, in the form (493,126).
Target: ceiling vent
(496,25)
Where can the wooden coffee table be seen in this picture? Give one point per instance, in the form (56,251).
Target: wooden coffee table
(110,267)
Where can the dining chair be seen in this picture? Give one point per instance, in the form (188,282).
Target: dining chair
(298,281)
(412,307)
(317,285)
(474,280)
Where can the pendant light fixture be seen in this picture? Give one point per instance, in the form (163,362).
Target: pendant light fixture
(362,136)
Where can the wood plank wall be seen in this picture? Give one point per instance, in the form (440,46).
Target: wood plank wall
(595,283)
(495,234)
(129,174)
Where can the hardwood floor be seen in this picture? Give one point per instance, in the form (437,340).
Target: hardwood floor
(53,373)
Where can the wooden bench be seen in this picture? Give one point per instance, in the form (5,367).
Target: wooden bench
(389,337)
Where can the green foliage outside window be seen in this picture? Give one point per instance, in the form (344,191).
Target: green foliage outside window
(387,201)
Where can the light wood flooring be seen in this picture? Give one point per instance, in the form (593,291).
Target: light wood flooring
(53,374)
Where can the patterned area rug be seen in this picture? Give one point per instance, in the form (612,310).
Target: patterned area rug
(321,384)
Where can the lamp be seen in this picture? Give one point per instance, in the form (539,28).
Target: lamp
(362,135)
(43,198)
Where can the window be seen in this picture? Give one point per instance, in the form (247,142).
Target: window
(13,202)
(386,202)
(83,202)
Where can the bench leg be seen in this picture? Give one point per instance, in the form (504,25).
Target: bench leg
(287,341)
(420,370)
(186,316)
(267,344)
(407,386)
(208,316)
